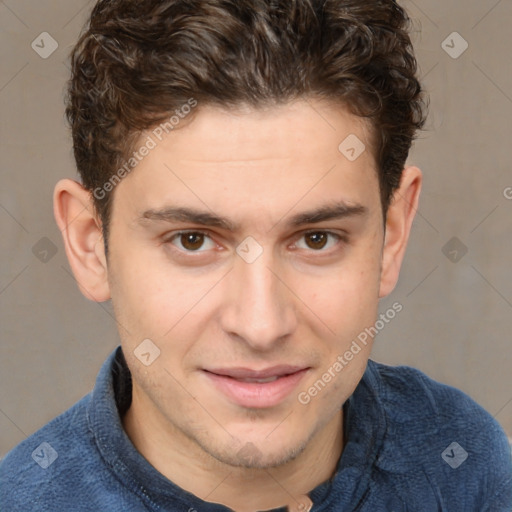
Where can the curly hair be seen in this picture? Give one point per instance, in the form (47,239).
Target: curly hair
(137,61)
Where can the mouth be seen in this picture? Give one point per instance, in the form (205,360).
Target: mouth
(256,389)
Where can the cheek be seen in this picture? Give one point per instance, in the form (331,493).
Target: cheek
(159,302)
(345,297)
(137,296)
(143,297)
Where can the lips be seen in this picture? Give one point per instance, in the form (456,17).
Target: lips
(256,388)
(246,373)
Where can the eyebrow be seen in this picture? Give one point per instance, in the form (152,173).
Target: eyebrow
(336,211)
(328,212)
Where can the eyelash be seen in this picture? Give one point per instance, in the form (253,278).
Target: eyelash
(338,237)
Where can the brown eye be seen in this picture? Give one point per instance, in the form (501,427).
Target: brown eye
(316,241)
(188,242)
(192,241)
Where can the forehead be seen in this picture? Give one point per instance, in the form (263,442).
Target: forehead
(261,158)
(272,131)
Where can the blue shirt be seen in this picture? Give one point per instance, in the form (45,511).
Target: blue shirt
(412,444)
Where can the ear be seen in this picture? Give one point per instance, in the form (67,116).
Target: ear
(83,239)
(399,219)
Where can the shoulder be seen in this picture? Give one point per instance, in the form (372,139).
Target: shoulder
(408,395)
(63,465)
(35,470)
(446,435)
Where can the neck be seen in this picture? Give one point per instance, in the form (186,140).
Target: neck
(186,464)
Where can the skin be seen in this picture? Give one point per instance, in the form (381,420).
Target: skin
(300,302)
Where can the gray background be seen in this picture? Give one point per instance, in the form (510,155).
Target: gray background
(457,316)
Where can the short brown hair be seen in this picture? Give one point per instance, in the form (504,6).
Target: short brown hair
(139,60)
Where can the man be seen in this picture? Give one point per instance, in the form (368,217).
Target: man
(245,204)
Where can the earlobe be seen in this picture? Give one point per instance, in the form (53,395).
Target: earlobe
(83,239)
(399,220)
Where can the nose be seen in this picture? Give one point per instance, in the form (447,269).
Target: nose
(259,308)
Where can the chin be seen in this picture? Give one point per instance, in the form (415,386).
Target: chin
(256,455)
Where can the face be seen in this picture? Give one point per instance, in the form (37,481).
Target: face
(247,247)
